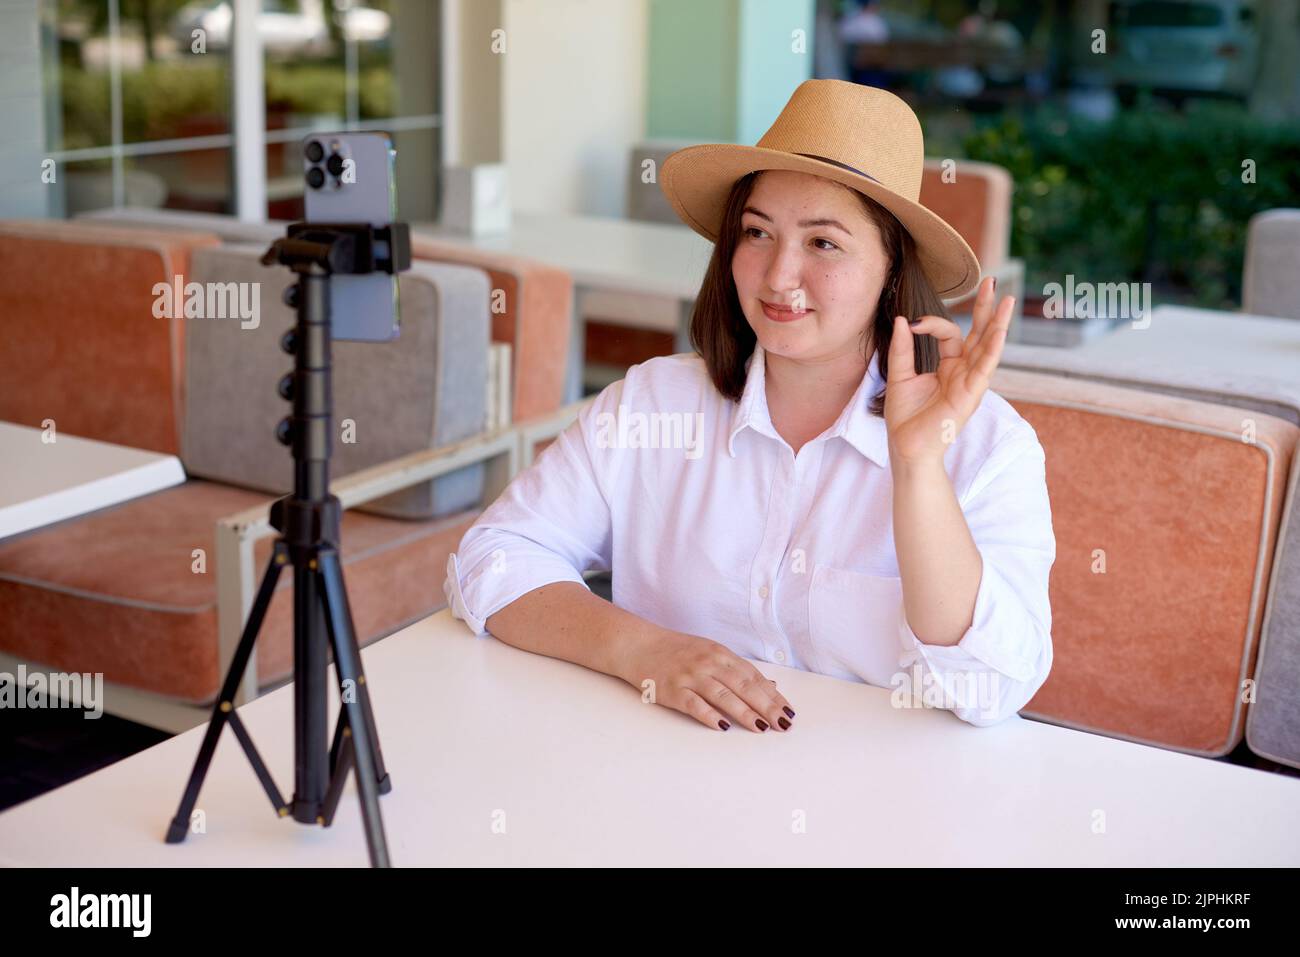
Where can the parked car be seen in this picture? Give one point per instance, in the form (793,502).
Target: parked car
(1181,47)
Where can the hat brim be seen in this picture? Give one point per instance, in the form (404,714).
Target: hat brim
(697,181)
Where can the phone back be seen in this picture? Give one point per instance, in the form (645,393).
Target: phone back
(350,178)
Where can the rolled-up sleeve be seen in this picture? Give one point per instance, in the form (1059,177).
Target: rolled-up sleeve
(1006,654)
(552,522)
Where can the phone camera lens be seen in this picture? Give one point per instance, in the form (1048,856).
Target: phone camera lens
(315,178)
(315,152)
(334,164)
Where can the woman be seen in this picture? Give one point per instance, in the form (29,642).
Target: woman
(769,498)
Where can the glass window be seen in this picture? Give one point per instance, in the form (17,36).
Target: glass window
(140,96)
(367,66)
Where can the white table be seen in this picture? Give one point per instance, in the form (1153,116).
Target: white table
(1206,339)
(45,482)
(477,733)
(603,255)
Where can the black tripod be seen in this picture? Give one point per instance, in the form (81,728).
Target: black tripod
(308,521)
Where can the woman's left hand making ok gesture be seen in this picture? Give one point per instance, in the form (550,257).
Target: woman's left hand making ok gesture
(925,411)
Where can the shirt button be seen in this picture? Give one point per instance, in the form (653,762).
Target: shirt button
(762,592)
(780,655)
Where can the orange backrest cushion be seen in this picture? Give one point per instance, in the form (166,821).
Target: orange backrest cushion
(81,344)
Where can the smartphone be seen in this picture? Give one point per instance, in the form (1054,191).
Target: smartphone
(351,178)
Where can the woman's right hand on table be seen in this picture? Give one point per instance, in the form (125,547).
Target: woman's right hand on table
(706,680)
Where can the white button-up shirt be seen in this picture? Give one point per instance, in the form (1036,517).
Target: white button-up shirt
(712,526)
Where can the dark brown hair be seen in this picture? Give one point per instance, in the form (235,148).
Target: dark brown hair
(722,335)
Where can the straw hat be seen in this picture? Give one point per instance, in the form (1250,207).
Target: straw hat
(863,137)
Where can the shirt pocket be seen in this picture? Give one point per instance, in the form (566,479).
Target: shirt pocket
(855,624)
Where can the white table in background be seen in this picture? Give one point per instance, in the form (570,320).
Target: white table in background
(1206,339)
(46,482)
(603,254)
(502,757)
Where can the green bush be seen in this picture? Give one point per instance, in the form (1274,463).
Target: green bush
(1150,196)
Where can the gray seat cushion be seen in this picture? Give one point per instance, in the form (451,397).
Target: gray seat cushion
(425,389)
(1271,275)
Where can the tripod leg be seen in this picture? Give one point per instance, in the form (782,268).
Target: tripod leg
(224,706)
(255,759)
(341,769)
(310,691)
(347,663)
(338,743)
(335,591)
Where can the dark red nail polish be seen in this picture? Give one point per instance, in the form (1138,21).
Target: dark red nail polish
(762,725)
(724,725)
(784,723)
(786,709)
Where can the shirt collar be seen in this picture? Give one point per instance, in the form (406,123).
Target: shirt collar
(856,425)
